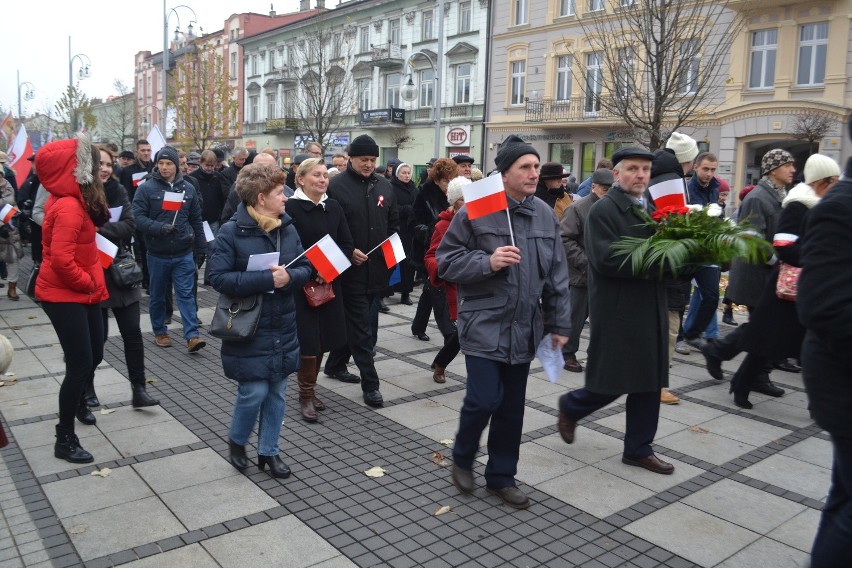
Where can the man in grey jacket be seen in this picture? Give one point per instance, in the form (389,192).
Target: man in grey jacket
(502,292)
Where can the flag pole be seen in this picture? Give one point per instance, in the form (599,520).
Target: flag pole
(301,255)
(511,233)
(178,211)
(379,246)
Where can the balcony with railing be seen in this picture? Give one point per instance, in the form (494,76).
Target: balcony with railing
(574,109)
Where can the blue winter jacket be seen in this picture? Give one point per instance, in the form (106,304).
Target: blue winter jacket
(274,350)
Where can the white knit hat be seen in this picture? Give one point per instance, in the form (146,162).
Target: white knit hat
(820,167)
(684,147)
(454,189)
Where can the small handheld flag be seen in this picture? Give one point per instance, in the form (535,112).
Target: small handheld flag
(393,251)
(106,250)
(327,258)
(485,197)
(7,212)
(172,201)
(668,193)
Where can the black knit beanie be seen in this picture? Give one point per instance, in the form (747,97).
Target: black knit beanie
(363,146)
(512,149)
(168,153)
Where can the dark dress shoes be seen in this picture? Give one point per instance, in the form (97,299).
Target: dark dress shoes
(787,366)
(92,402)
(566,427)
(277,468)
(768,388)
(714,364)
(374,399)
(511,496)
(571,364)
(651,463)
(343,376)
(421,336)
(741,400)
(463,479)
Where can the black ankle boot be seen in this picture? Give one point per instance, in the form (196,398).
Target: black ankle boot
(141,398)
(741,400)
(277,468)
(85,415)
(237,456)
(90,397)
(68,448)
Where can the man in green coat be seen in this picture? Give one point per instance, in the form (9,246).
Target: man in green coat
(628,347)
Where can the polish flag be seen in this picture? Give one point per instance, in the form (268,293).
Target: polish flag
(668,193)
(155,139)
(7,212)
(485,197)
(106,250)
(18,154)
(392,249)
(784,239)
(138,177)
(172,200)
(327,258)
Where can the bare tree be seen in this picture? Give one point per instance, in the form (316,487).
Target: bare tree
(116,122)
(75,108)
(813,125)
(657,65)
(401,137)
(324,93)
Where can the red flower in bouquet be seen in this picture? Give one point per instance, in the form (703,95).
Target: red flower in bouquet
(661,214)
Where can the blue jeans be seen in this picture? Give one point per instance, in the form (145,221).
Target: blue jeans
(702,311)
(267,398)
(180,271)
(712,330)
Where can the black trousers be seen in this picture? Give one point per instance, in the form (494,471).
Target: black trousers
(448,352)
(359,337)
(81,335)
(579,313)
(643,413)
(424,309)
(127,319)
(833,543)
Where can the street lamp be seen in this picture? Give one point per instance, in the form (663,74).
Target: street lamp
(143,122)
(166,65)
(409,91)
(83,73)
(28,95)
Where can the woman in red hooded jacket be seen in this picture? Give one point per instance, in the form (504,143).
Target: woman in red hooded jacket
(71,284)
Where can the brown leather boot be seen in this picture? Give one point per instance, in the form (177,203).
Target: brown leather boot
(318,404)
(11,293)
(307,378)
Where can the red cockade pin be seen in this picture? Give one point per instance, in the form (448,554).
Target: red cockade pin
(381,201)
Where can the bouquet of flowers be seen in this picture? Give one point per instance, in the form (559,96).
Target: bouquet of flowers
(688,237)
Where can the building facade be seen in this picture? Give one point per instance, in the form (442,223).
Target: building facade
(364,51)
(775,78)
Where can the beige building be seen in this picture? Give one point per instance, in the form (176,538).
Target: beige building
(777,76)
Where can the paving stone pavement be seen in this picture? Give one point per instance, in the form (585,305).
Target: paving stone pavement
(747,489)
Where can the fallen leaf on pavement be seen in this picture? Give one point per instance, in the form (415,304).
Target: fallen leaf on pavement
(442,510)
(78,529)
(438,459)
(107,410)
(698,429)
(150,380)
(24,403)
(31,317)
(446,442)
(375,472)
(433,403)
(102,472)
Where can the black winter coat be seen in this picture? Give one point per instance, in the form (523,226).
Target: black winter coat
(406,194)
(120,234)
(370,208)
(427,206)
(126,176)
(213,188)
(322,328)
(274,350)
(151,218)
(824,304)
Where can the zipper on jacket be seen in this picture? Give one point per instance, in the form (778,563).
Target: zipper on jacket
(476,297)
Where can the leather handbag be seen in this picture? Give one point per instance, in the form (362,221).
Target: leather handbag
(236,319)
(31,282)
(124,271)
(318,294)
(788,281)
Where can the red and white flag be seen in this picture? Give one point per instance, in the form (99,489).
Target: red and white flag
(155,139)
(7,212)
(172,201)
(138,177)
(485,197)
(18,155)
(106,250)
(668,193)
(327,258)
(392,249)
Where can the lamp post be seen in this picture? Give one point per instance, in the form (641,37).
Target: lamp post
(84,73)
(143,121)
(166,65)
(409,90)
(29,94)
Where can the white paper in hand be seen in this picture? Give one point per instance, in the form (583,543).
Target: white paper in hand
(208,232)
(115,214)
(551,359)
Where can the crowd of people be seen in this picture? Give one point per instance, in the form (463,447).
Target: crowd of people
(495,285)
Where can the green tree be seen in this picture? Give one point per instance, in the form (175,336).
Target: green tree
(75,109)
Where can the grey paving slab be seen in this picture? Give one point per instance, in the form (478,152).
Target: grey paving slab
(217,501)
(443,431)
(184,470)
(87,493)
(30,406)
(420,413)
(302,547)
(27,389)
(43,433)
(745,429)
(156,436)
(767,552)
(127,417)
(690,413)
(813,450)
(695,535)
(648,479)
(192,555)
(743,505)
(538,464)
(665,427)
(706,446)
(799,532)
(120,527)
(43,462)
(595,491)
(784,413)
(589,446)
(804,478)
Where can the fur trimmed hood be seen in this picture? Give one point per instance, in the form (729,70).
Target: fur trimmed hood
(64,165)
(802,193)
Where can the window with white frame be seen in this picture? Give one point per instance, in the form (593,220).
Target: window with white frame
(336,45)
(233,64)
(426,25)
(564,76)
(364,32)
(813,49)
(394,35)
(624,73)
(690,61)
(520,12)
(519,78)
(392,90)
(254,100)
(596,5)
(463,72)
(625,3)
(764,44)
(254,64)
(270,61)
(465,15)
(271,111)
(364,94)
(566,7)
(289,103)
(594,81)
(427,88)
(291,56)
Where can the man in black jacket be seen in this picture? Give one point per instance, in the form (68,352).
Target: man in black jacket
(369,204)
(131,176)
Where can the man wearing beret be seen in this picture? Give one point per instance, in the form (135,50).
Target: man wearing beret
(628,348)
(369,204)
(509,296)
(465,163)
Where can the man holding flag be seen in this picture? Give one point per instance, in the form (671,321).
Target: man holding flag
(168,215)
(504,252)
